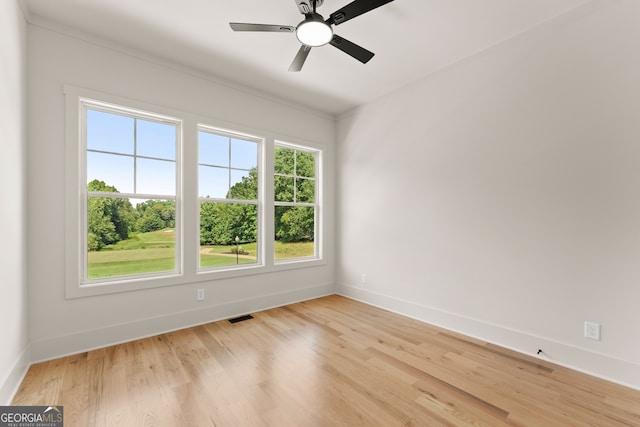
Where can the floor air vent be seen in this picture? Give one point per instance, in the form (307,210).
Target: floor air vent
(241,318)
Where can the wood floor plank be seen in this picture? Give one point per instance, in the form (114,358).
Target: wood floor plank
(325,362)
(75,389)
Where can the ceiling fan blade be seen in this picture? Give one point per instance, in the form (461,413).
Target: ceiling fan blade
(358,52)
(301,56)
(353,9)
(238,26)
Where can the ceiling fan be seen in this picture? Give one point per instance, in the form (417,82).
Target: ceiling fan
(315,31)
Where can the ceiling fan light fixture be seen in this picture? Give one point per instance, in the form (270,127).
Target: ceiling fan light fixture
(314,32)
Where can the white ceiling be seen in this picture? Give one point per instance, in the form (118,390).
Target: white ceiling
(411,39)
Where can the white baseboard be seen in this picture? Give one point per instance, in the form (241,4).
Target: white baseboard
(598,365)
(93,339)
(14,378)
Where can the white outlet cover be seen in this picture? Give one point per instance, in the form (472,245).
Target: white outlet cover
(592,330)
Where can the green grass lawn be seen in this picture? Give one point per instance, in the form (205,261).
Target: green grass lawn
(142,261)
(216,256)
(154,252)
(156,239)
(141,253)
(293,249)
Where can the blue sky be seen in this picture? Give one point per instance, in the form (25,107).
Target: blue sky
(223,162)
(115,138)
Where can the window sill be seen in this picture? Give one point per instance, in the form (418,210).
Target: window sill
(142,283)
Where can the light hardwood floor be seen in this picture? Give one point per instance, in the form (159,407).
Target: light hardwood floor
(326,362)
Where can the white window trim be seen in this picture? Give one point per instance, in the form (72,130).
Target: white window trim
(188,207)
(77,100)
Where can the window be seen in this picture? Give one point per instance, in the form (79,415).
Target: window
(228,198)
(130,194)
(155,197)
(295,202)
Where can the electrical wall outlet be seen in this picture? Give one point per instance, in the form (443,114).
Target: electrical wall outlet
(592,330)
(200,294)
(363,278)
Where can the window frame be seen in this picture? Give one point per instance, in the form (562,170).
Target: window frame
(259,201)
(317,203)
(90,104)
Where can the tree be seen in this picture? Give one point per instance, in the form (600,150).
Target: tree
(220,223)
(108,218)
(155,215)
(305,164)
(247,189)
(295,223)
(294,182)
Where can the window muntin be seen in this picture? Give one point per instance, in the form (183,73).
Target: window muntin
(228,188)
(295,202)
(130,193)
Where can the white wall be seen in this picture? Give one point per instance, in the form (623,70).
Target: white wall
(59,326)
(14,356)
(501,197)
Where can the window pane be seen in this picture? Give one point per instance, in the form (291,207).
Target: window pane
(213,182)
(213,149)
(128,237)
(156,140)
(283,161)
(294,232)
(244,154)
(305,190)
(114,170)
(220,224)
(156,177)
(305,164)
(244,185)
(109,132)
(283,191)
